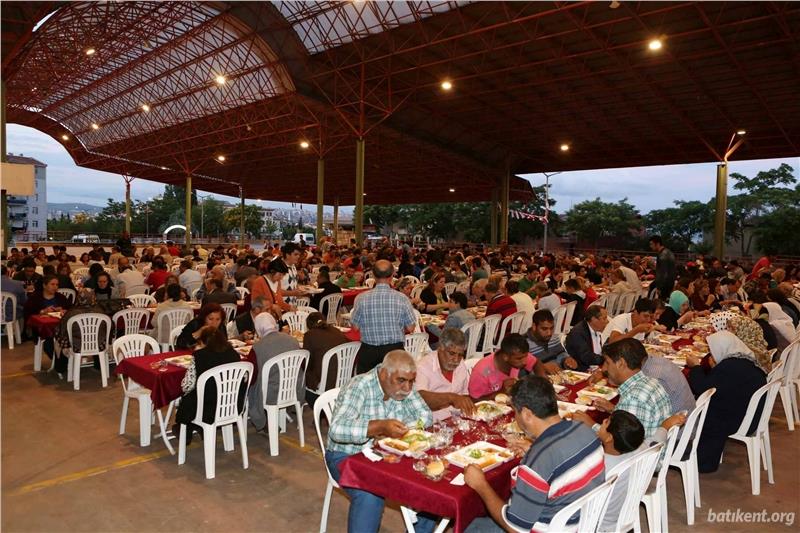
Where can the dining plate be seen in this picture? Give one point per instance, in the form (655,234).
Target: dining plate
(180,360)
(483,454)
(489,410)
(599,391)
(413,442)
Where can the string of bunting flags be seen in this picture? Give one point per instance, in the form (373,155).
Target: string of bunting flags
(527,216)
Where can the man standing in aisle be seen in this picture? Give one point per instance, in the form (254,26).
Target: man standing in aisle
(383,316)
(665,268)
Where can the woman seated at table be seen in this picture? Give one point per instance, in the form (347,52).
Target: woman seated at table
(47,300)
(211,349)
(736,374)
(676,312)
(760,315)
(434,297)
(104,288)
(318,339)
(85,302)
(458,316)
(173,300)
(210,315)
(405,286)
(64,274)
(161,294)
(617,283)
(95,270)
(702,299)
(269,286)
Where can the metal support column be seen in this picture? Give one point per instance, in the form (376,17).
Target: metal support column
(721,210)
(241,216)
(188,211)
(4,222)
(336,221)
(320,199)
(127,206)
(493,218)
(504,196)
(358,213)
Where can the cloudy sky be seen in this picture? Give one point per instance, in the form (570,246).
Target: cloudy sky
(645,187)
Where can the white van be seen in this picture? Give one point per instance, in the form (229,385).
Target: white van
(307,237)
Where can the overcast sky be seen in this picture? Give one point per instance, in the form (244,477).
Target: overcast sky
(645,187)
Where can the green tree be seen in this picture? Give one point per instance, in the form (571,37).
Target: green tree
(253,220)
(209,216)
(680,226)
(592,219)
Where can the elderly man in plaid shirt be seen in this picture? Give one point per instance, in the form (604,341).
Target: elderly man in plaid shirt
(383,316)
(380,403)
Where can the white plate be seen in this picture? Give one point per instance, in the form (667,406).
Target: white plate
(180,360)
(492,455)
(580,376)
(567,407)
(612,392)
(494,410)
(387,444)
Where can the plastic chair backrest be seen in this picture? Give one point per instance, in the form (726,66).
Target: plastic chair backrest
(567,325)
(325,404)
(193,294)
(693,426)
(491,324)
(172,318)
(244,291)
(9,300)
(230,311)
(329,305)
(174,333)
(511,324)
(134,345)
(306,309)
(776,373)
(296,320)
(136,289)
(462,287)
(89,325)
(413,279)
(611,303)
(669,447)
(640,470)
(228,378)
(559,316)
(450,288)
(591,505)
(345,355)
(770,390)
(369,282)
(626,302)
(416,344)
(470,363)
(472,330)
(417,290)
(193,286)
(791,362)
(133,320)
(301,301)
(141,300)
(69,294)
(289,365)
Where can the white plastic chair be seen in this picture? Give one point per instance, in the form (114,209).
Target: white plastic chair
(192,286)
(639,470)
(306,309)
(472,330)
(690,436)
(370,282)
(655,501)
(133,290)
(329,306)
(790,357)
(345,355)
(610,304)
(81,273)
(193,294)
(300,301)
(417,345)
(570,312)
(462,287)
(243,291)
(759,451)
(491,324)
(417,290)
(592,506)
(69,294)
(168,321)
(134,320)
(324,404)
(413,279)
(450,288)
(228,378)
(289,366)
(142,300)
(13,330)
(127,346)
(510,324)
(296,320)
(626,302)
(89,325)
(173,337)
(230,311)
(559,319)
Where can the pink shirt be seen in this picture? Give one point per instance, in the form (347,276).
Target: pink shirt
(486,378)
(430,378)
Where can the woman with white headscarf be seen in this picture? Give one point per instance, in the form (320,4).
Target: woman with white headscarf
(736,374)
(271,342)
(781,323)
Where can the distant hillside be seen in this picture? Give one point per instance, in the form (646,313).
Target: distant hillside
(73,208)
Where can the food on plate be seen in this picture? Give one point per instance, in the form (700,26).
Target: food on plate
(488,410)
(395,444)
(502,398)
(435,468)
(571,377)
(414,441)
(583,400)
(512,427)
(483,454)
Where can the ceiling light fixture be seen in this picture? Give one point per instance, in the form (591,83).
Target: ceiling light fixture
(145,108)
(564,147)
(452,189)
(220,79)
(304,144)
(447,85)
(655,44)
(65,137)
(95,126)
(90,51)
(221,158)
(741,132)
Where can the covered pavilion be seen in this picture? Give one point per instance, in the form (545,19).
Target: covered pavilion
(338,103)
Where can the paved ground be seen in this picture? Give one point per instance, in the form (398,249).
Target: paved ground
(65,468)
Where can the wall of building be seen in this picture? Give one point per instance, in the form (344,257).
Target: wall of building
(28,214)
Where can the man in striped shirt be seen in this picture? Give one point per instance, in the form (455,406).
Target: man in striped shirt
(564,463)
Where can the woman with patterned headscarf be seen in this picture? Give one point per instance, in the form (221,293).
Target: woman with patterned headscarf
(750,333)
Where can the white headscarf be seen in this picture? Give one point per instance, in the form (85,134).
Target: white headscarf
(265,324)
(780,321)
(724,344)
(720,320)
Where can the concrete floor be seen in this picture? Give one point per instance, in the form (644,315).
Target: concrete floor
(65,468)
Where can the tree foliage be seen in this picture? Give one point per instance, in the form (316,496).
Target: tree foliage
(680,226)
(253,220)
(592,219)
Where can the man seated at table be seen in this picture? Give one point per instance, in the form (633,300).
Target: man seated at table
(640,395)
(215,294)
(498,302)
(328,287)
(636,324)
(457,317)
(380,403)
(477,293)
(564,463)
(584,342)
(243,326)
(546,346)
(498,372)
(348,279)
(443,378)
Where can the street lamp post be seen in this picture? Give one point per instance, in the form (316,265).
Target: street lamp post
(547,207)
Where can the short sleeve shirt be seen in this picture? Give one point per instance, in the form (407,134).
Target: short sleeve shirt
(486,378)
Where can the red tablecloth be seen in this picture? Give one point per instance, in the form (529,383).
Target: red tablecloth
(164,382)
(353,335)
(400,482)
(45,326)
(349,295)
